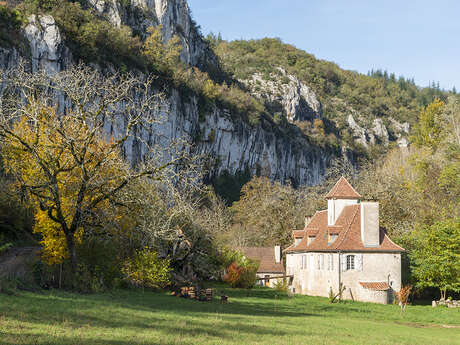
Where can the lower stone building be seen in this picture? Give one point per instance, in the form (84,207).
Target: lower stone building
(271,264)
(345,246)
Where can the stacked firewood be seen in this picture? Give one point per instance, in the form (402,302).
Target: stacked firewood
(195,293)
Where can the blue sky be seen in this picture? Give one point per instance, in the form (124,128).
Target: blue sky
(414,38)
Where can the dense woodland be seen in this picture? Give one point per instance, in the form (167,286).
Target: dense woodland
(103,224)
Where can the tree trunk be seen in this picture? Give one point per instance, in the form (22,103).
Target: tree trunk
(72,253)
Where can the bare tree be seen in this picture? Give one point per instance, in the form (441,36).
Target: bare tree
(64,136)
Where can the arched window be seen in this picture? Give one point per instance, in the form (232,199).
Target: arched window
(350,262)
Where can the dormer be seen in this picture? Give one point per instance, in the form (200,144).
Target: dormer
(341,195)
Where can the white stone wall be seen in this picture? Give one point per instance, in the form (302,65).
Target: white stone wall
(335,208)
(375,267)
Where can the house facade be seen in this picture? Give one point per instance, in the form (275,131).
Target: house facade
(344,246)
(270,263)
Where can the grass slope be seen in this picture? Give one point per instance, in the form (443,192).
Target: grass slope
(255,317)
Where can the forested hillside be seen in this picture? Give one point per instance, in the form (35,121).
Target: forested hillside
(377,95)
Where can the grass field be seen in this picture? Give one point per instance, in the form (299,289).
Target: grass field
(259,316)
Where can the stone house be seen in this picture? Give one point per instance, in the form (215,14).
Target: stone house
(271,263)
(345,246)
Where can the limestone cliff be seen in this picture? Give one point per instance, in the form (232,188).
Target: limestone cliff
(172,15)
(233,144)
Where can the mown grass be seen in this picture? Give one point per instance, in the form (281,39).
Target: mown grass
(259,316)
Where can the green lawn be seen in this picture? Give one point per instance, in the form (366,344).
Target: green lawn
(250,317)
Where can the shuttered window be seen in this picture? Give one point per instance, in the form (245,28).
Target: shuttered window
(350,262)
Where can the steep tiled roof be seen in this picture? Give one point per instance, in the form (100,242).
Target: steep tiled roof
(348,229)
(266,256)
(298,233)
(376,286)
(343,190)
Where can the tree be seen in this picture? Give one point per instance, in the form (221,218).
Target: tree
(265,214)
(163,57)
(437,256)
(71,165)
(429,130)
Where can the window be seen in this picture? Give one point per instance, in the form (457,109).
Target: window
(330,263)
(350,262)
(321,262)
(297,241)
(332,238)
(310,239)
(304,262)
(318,264)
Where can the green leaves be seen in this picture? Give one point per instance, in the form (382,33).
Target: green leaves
(437,255)
(146,269)
(429,130)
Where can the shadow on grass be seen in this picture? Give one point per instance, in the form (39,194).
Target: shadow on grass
(138,313)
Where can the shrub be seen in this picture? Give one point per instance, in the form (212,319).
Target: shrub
(281,285)
(403,296)
(10,24)
(146,269)
(243,274)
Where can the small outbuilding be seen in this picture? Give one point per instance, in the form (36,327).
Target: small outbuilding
(271,263)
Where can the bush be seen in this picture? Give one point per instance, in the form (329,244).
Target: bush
(281,285)
(10,24)
(243,274)
(146,269)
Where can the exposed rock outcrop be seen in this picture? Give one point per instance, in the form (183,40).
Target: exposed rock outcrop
(172,15)
(380,131)
(47,49)
(298,102)
(360,134)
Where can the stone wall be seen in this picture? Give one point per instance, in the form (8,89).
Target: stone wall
(448,303)
(376,267)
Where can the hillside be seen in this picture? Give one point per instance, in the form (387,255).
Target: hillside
(372,110)
(255,107)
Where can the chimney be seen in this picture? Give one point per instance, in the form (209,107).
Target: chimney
(307,220)
(277,254)
(370,227)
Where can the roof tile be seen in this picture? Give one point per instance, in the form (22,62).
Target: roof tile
(343,190)
(266,256)
(376,286)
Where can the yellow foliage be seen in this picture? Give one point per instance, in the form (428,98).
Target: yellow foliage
(44,156)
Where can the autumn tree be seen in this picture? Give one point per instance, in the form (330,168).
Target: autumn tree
(64,138)
(266,214)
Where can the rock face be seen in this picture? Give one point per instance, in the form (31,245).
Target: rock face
(234,145)
(296,100)
(378,132)
(172,15)
(47,50)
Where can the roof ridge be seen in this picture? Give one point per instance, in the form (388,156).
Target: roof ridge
(343,189)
